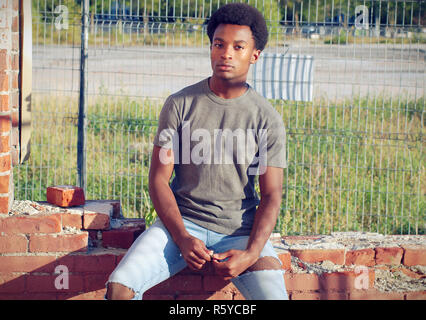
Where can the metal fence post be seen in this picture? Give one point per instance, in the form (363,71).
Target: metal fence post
(82,120)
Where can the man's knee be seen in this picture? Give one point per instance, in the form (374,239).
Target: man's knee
(117,291)
(265,263)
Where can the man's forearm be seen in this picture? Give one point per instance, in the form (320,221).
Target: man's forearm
(166,207)
(264,222)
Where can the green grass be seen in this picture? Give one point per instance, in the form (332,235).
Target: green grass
(353,165)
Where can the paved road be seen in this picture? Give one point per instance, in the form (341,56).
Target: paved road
(340,71)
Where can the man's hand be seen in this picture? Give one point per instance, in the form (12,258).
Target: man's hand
(237,262)
(194,251)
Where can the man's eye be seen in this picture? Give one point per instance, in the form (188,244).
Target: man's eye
(239,47)
(218,45)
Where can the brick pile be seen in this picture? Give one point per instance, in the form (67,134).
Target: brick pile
(37,237)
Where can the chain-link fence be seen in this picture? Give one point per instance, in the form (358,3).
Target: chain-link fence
(355,152)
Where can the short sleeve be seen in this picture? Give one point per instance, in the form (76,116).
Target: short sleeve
(168,124)
(276,145)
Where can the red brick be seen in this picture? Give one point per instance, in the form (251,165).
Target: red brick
(301,281)
(343,281)
(285,258)
(178,283)
(299,239)
(411,273)
(391,255)
(26,263)
(93,295)
(415,295)
(4,60)
(215,283)
(4,205)
(4,144)
(13,243)
(31,224)
(72,220)
(5,163)
(337,256)
(4,183)
(28,296)
(66,260)
(4,86)
(147,296)
(305,296)
(103,263)
(374,294)
(5,123)
(59,243)
(65,196)
(94,282)
(318,296)
(4,101)
(414,255)
(11,283)
(238,296)
(120,238)
(334,295)
(95,221)
(363,257)
(46,283)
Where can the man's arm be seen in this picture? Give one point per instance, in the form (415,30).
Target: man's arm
(271,189)
(270,183)
(193,250)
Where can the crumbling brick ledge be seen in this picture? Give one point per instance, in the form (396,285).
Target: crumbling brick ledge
(49,252)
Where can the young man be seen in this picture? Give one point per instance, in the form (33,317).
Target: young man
(217,135)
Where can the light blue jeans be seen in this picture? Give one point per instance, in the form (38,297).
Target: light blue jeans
(154,257)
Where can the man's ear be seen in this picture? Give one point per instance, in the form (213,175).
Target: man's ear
(255,56)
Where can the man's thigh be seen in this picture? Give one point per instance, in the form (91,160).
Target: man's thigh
(152,258)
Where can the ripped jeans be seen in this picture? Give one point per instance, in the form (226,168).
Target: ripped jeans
(154,257)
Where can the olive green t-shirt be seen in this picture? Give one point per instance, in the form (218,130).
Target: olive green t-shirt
(218,145)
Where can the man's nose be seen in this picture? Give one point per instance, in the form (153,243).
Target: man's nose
(227,52)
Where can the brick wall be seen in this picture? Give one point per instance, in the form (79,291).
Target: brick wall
(9,98)
(90,240)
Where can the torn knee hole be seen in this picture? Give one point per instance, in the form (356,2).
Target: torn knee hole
(116,290)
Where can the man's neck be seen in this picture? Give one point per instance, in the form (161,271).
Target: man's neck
(227,89)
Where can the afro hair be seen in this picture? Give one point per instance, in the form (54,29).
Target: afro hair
(240,14)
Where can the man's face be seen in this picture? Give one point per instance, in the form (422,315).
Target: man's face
(232,51)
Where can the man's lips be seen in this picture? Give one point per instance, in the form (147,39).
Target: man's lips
(225,66)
